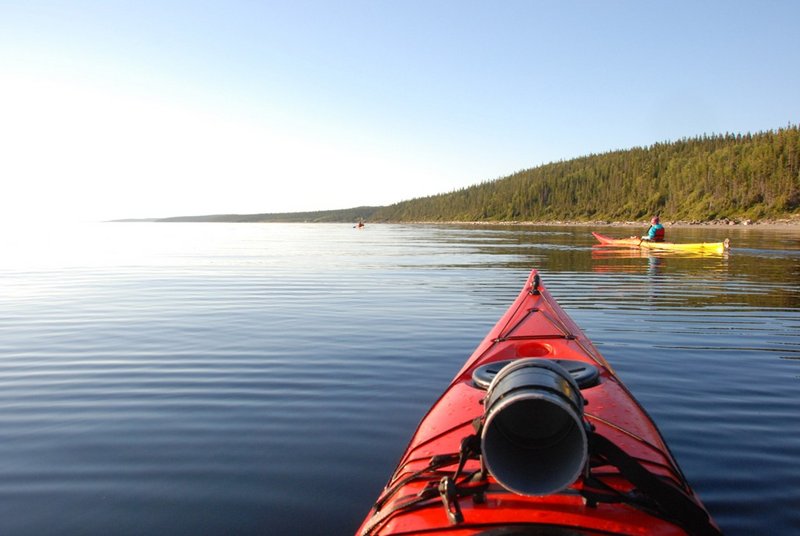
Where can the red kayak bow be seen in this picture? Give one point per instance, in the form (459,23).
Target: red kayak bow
(537,435)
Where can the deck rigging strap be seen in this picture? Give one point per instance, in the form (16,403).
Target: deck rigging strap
(671,500)
(448,487)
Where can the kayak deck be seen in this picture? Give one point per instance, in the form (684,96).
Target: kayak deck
(707,247)
(442,486)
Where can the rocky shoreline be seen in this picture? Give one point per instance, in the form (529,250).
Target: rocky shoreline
(793,222)
(790,223)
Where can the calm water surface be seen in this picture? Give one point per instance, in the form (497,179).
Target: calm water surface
(265,378)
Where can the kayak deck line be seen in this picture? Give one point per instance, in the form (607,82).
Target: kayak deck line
(508,445)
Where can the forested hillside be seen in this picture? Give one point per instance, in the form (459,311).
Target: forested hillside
(753,176)
(710,177)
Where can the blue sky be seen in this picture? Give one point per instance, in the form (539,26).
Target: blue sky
(113,109)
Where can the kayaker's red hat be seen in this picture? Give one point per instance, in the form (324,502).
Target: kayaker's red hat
(654,220)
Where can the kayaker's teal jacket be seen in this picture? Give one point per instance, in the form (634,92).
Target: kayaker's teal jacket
(656,233)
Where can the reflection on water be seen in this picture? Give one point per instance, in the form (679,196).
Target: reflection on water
(213,378)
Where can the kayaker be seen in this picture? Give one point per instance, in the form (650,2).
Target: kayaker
(656,231)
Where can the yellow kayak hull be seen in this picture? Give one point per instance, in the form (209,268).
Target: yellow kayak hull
(703,247)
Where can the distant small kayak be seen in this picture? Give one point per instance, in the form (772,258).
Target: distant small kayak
(635,241)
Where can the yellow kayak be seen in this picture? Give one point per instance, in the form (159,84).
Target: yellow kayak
(635,241)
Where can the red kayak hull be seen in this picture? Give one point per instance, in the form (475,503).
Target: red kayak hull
(534,326)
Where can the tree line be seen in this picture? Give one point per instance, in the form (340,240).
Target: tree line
(733,176)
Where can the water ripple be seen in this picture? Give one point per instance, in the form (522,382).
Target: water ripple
(206,378)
